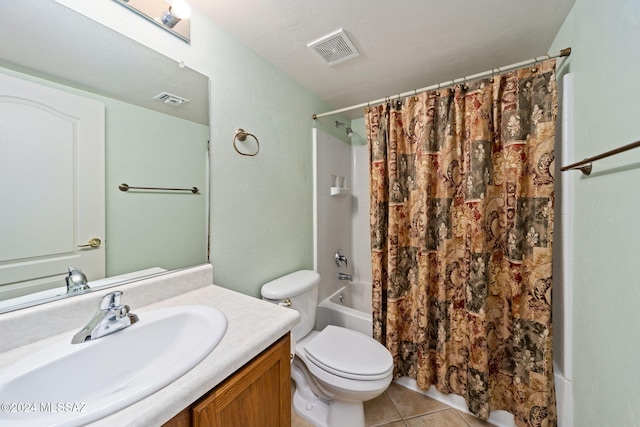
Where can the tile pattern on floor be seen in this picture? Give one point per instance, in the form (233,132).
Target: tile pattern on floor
(401,407)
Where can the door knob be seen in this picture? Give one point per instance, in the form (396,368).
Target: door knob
(93,243)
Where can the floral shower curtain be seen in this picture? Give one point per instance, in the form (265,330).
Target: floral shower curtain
(462,194)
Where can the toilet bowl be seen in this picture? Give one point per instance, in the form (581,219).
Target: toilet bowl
(336,369)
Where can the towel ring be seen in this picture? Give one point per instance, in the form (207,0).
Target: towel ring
(241,135)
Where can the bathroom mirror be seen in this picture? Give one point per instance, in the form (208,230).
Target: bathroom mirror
(148,143)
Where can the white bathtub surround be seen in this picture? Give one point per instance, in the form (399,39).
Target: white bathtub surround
(349,307)
(564,399)
(563,259)
(341,223)
(241,343)
(360,229)
(332,215)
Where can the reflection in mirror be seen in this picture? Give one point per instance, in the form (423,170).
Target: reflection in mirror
(147,143)
(170,16)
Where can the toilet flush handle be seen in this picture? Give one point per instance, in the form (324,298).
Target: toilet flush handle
(285,303)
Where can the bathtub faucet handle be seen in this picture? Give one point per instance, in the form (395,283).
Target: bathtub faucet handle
(340,258)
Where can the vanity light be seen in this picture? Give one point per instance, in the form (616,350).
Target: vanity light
(171,15)
(178,11)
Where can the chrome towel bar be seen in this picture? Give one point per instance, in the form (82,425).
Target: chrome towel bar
(127,187)
(585,165)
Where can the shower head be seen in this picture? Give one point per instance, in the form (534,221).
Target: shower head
(347,128)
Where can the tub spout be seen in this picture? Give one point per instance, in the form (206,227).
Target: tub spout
(344,276)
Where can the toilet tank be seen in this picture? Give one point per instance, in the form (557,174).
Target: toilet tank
(301,287)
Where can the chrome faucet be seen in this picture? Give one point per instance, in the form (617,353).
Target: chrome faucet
(76,281)
(340,258)
(344,276)
(110,317)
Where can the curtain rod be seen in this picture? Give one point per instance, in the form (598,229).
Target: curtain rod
(563,52)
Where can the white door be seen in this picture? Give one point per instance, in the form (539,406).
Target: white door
(51,186)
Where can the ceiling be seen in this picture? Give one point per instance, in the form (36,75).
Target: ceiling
(403,45)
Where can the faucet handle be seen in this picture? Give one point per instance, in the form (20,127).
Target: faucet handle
(125,311)
(122,311)
(76,280)
(340,258)
(110,300)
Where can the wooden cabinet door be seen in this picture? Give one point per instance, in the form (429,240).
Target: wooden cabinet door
(257,395)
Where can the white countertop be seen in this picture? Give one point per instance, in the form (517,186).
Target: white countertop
(253,326)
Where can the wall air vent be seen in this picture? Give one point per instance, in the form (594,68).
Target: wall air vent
(334,48)
(170,99)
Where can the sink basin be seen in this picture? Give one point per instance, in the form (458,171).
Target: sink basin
(73,384)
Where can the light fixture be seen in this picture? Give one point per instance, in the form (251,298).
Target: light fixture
(171,15)
(346,128)
(178,11)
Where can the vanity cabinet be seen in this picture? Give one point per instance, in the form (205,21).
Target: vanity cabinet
(257,395)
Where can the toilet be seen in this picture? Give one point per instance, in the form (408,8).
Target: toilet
(336,369)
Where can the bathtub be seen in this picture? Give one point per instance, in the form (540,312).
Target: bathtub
(349,307)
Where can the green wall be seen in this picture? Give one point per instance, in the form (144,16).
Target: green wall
(261,207)
(154,229)
(605,38)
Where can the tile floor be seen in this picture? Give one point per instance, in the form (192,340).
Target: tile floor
(401,407)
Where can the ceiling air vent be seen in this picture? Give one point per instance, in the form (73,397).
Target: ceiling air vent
(334,48)
(169,98)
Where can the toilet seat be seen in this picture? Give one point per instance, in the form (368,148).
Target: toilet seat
(349,354)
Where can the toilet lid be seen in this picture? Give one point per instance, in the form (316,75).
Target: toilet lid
(349,354)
